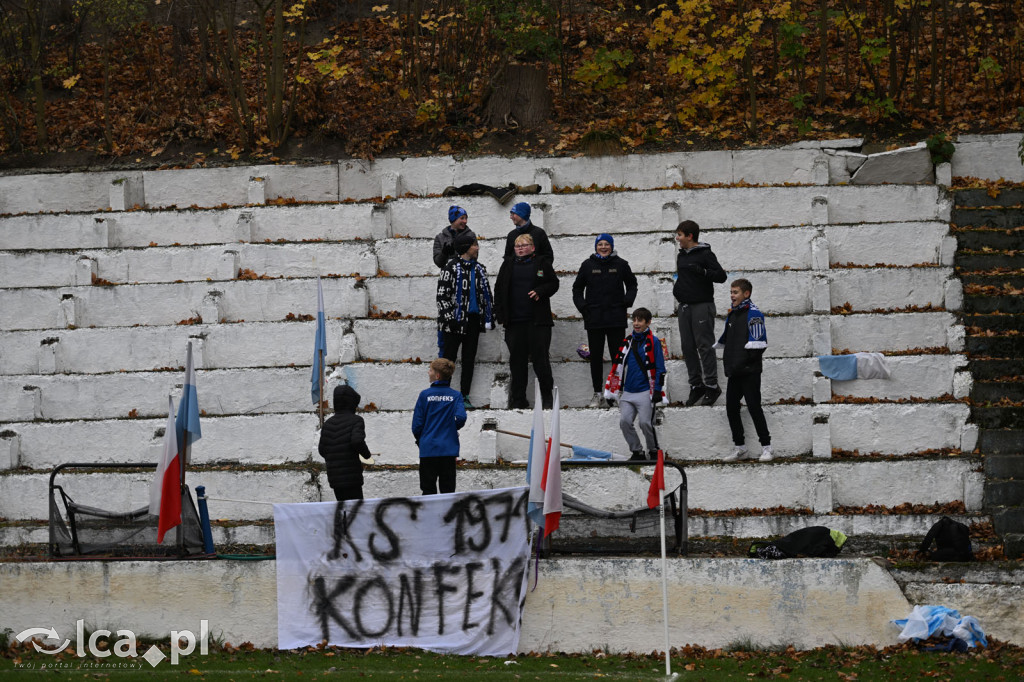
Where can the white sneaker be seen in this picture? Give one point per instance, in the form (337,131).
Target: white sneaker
(596,400)
(766,454)
(739,452)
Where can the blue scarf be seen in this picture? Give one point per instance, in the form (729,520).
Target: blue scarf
(475,273)
(757,335)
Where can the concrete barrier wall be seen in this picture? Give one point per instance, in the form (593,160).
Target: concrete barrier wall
(614,604)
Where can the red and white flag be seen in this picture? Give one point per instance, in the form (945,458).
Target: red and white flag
(553,474)
(657,482)
(165,491)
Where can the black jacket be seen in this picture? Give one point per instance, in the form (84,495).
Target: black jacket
(546,285)
(541,243)
(343,439)
(697,269)
(736,358)
(444,245)
(603,290)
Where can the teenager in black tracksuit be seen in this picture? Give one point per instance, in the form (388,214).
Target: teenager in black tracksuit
(342,440)
(604,289)
(522,304)
(697,270)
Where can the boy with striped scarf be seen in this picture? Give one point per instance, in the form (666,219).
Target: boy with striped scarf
(635,381)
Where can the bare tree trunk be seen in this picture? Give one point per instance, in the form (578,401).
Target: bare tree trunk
(521,96)
(35,30)
(822,50)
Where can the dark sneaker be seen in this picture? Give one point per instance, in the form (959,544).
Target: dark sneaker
(711,394)
(638,456)
(652,455)
(529,189)
(696,393)
(469,405)
(518,404)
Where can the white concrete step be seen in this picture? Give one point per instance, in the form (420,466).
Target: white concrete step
(171,304)
(395,386)
(818,485)
(282,344)
(210,187)
(695,433)
(790,292)
(743,250)
(559,214)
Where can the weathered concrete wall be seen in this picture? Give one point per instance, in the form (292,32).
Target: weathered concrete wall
(612,604)
(989,157)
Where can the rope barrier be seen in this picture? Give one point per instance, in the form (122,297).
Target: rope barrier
(229,499)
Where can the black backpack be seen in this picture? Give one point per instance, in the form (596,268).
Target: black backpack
(813,541)
(952,541)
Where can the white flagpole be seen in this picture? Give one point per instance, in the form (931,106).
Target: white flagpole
(664,581)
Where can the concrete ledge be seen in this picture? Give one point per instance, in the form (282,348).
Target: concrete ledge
(696,433)
(614,604)
(995,606)
(803,485)
(989,157)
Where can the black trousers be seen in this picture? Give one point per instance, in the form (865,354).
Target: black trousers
(526,341)
(437,472)
(597,339)
(468,342)
(747,387)
(348,493)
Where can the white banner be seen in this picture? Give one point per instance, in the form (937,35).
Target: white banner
(445,573)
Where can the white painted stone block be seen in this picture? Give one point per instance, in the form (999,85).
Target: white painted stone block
(821,391)
(487,446)
(674,176)
(71,310)
(892,331)
(819,251)
(391,185)
(898,243)
(670,216)
(883,203)
(944,174)
(897,428)
(821,501)
(947,251)
(821,434)
(10,450)
(821,335)
(244,227)
(821,294)
(210,310)
(962,384)
(228,265)
(876,288)
(545,177)
(819,210)
(47,359)
(380,222)
(953,294)
(974,490)
(819,170)
(256,191)
(917,376)
(956,338)
(126,192)
(989,157)
(969,437)
(85,271)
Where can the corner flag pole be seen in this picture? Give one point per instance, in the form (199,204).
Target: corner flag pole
(664,582)
(320,380)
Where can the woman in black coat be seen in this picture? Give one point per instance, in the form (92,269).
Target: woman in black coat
(342,441)
(604,289)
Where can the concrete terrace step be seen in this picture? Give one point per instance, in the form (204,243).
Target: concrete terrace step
(356,179)
(791,292)
(1012,304)
(285,344)
(1002,218)
(62,397)
(559,214)
(745,249)
(997,417)
(1002,441)
(1010,346)
(994,391)
(996,322)
(973,198)
(979,261)
(859,528)
(1005,466)
(692,433)
(818,485)
(988,369)
(991,238)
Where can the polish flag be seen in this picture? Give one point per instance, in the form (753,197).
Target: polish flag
(553,474)
(165,491)
(657,482)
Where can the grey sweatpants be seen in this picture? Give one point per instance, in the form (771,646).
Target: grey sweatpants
(697,336)
(632,405)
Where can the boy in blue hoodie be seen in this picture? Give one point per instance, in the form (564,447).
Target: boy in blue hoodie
(636,381)
(439,414)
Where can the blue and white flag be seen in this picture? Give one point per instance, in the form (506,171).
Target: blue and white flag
(187,419)
(535,463)
(320,347)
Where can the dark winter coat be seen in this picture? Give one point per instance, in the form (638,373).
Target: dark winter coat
(541,243)
(697,270)
(444,245)
(343,439)
(545,280)
(603,290)
(453,296)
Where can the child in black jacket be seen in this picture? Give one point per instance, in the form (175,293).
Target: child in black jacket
(343,446)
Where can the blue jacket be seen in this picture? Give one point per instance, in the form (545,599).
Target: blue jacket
(636,379)
(439,414)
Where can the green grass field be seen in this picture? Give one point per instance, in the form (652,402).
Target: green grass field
(997,662)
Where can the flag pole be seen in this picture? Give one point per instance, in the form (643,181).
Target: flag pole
(664,582)
(320,379)
(179,532)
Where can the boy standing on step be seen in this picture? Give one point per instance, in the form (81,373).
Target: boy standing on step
(636,381)
(697,270)
(436,421)
(744,341)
